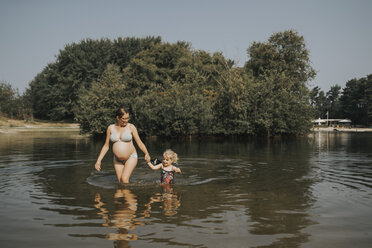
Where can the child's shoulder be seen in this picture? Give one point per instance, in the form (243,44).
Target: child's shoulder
(174,166)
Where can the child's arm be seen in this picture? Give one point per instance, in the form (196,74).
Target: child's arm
(155,167)
(176,169)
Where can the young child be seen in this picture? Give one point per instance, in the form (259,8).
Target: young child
(167,166)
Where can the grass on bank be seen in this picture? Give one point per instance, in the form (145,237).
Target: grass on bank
(14,123)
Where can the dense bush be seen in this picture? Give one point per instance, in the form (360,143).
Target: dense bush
(12,104)
(171,89)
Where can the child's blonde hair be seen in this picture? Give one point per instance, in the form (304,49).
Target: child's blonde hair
(171,155)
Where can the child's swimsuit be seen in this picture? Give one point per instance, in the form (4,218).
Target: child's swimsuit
(167,176)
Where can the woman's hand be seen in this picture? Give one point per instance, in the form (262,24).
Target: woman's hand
(98,165)
(147,157)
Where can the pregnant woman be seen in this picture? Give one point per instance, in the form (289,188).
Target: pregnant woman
(121,135)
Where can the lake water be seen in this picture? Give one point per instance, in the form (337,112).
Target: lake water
(308,192)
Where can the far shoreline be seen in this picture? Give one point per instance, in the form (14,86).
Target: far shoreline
(11,125)
(341,129)
(76,127)
(7,124)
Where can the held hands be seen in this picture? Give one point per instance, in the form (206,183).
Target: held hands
(147,157)
(98,165)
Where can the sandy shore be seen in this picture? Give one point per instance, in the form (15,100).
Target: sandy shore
(11,124)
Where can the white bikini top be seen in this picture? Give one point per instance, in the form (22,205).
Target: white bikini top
(125,137)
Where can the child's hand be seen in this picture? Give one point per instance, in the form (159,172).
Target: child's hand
(151,165)
(154,167)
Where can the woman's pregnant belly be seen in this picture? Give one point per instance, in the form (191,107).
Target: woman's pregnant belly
(123,150)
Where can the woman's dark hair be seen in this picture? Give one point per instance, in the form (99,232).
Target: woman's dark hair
(120,112)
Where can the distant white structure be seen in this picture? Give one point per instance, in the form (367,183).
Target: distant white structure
(329,122)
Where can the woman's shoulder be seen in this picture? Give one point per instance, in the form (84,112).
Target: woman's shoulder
(110,127)
(132,126)
(109,130)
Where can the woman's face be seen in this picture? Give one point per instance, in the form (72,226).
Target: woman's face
(123,121)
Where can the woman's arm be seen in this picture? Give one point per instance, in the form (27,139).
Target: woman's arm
(104,149)
(140,143)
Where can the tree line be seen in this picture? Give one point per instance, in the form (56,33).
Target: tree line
(13,104)
(172,89)
(353,102)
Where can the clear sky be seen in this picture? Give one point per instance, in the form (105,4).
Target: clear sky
(338,33)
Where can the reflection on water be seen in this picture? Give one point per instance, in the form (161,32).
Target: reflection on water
(168,198)
(310,192)
(344,160)
(124,216)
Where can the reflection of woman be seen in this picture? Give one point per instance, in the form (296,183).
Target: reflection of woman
(124,217)
(169,198)
(125,155)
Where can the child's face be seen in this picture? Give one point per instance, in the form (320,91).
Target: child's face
(167,161)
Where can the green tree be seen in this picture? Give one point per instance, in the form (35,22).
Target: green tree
(47,95)
(314,100)
(231,104)
(356,100)
(319,102)
(12,104)
(7,97)
(56,89)
(333,101)
(171,89)
(26,106)
(124,49)
(97,106)
(282,67)
(161,87)
(181,110)
(166,91)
